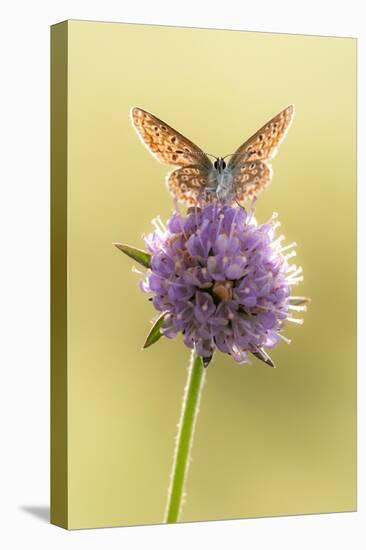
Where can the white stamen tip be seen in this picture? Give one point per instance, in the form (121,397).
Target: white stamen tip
(297,308)
(287,340)
(287,247)
(295,281)
(290,255)
(296,321)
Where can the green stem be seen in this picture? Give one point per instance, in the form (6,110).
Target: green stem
(189,413)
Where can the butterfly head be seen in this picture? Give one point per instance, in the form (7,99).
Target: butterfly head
(220,164)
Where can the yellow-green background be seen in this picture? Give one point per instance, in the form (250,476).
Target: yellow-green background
(268,441)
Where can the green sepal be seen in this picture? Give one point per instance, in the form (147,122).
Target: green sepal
(140,256)
(298,300)
(155,333)
(262,355)
(206,360)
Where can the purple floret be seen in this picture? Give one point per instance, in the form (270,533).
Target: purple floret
(221,280)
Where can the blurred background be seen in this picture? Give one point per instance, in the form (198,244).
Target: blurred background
(268,441)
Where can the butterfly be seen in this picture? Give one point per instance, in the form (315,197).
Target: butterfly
(197,178)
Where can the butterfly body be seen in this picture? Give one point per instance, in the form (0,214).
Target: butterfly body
(220,181)
(197,179)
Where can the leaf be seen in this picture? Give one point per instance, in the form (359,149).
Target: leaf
(298,300)
(155,334)
(140,256)
(259,353)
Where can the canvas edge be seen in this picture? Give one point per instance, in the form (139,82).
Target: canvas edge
(58,313)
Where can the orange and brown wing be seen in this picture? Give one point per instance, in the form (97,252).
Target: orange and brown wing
(263,144)
(249,179)
(164,143)
(188,184)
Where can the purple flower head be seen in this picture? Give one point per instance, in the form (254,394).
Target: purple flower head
(221,280)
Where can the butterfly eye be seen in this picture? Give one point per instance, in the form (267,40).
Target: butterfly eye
(216,164)
(223,164)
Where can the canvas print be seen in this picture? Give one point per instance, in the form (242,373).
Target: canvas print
(203,270)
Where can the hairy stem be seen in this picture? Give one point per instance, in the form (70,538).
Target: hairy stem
(184,440)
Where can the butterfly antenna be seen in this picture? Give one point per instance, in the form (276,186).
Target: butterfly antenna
(208,154)
(231,155)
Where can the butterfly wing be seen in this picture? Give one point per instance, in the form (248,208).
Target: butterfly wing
(251,174)
(250,178)
(166,144)
(187,184)
(263,144)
